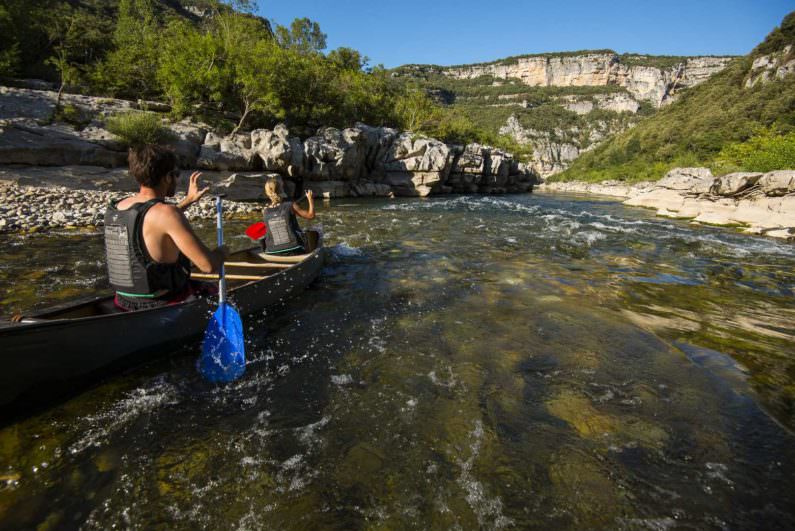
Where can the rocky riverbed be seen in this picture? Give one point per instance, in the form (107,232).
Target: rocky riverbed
(760,203)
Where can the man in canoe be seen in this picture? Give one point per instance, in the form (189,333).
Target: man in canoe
(149,243)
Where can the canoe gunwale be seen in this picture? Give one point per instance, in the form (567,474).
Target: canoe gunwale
(45,316)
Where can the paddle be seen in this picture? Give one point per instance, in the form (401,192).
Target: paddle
(223,356)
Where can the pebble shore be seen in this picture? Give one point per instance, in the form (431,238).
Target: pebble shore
(36,209)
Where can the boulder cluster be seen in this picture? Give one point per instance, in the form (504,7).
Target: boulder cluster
(365,161)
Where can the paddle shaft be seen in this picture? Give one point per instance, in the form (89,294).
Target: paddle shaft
(220,231)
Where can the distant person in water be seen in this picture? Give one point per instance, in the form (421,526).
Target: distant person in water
(284,235)
(149,243)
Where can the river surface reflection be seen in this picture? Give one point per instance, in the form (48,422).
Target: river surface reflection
(463,362)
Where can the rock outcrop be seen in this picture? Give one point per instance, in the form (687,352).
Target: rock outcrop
(761,203)
(29,143)
(777,65)
(227,153)
(656,85)
(608,102)
(553,151)
(371,161)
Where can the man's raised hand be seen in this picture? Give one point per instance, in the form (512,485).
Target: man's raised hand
(194,194)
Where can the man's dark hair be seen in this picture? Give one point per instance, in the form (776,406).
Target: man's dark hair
(149,164)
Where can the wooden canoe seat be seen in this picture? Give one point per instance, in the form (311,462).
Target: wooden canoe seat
(213,276)
(256,265)
(294,259)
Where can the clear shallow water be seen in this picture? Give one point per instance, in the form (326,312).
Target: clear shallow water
(521,361)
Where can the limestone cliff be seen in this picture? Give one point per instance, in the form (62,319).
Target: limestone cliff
(647,82)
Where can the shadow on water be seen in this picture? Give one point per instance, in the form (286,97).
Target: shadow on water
(462,362)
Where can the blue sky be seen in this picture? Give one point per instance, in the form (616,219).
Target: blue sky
(466,31)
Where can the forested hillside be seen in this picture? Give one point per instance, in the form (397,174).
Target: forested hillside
(743,118)
(208,59)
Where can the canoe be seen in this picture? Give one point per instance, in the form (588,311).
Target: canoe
(53,351)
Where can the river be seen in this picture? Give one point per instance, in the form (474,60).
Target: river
(532,361)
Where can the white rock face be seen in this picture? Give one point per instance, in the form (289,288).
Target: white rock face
(231,153)
(695,181)
(598,69)
(777,183)
(40,104)
(335,155)
(279,152)
(552,155)
(608,102)
(734,183)
(766,68)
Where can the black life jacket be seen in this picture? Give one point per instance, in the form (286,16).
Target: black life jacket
(131,269)
(284,233)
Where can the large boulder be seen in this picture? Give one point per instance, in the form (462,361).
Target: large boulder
(378,141)
(467,168)
(279,151)
(417,154)
(416,166)
(187,139)
(231,153)
(496,171)
(472,160)
(777,183)
(335,155)
(693,181)
(413,183)
(734,183)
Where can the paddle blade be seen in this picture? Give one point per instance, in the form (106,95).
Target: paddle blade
(257,231)
(223,356)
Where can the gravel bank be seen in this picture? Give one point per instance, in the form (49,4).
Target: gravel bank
(34,209)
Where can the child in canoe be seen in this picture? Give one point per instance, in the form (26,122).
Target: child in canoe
(284,236)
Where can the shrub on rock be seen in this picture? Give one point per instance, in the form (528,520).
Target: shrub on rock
(138,128)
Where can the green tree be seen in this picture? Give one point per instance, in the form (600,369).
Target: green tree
(71,35)
(347,59)
(9,46)
(130,69)
(415,109)
(253,79)
(767,150)
(191,67)
(303,35)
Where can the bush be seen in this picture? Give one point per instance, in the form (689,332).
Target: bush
(768,150)
(138,128)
